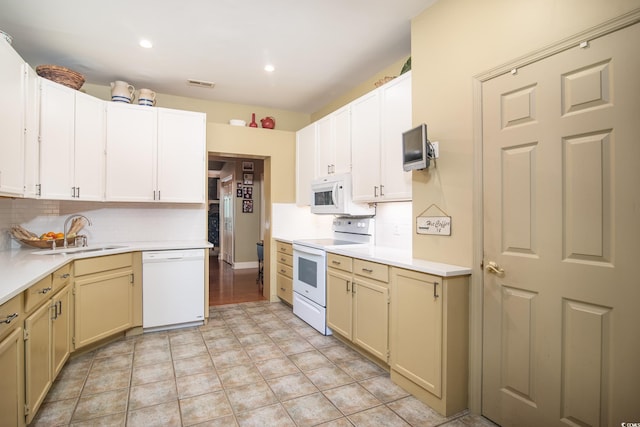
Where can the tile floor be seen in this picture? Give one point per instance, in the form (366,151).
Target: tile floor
(253,364)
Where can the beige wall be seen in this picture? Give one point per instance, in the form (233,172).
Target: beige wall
(451,42)
(247,225)
(217,112)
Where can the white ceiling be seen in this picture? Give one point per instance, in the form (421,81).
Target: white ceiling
(319,48)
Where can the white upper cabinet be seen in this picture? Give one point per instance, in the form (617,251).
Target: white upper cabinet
(378,120)
(365,147)
(333,143)
(32,134)
(57,121)
(72,132)
(181,156)
(305,163)
(131,153)
(155,154)
(395,119)
(89,147)
(12,109)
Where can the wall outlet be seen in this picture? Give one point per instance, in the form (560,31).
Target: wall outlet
(436,150)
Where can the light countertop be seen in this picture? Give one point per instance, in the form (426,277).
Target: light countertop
(395,257)
(401,258)
(21,268)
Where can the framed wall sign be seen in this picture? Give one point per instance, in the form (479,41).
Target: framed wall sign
(247,206)
(247,192)
(247,179)
(434,224)
(247,166)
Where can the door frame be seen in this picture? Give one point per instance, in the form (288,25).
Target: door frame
(477,276)
(225,182)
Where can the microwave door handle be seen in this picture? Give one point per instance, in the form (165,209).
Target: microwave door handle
(334,194)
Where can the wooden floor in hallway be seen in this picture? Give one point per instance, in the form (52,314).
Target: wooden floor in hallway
(229,286)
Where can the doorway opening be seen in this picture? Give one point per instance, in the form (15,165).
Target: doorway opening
(235,227)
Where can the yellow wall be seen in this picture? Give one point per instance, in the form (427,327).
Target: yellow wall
(452,41)
(217,112)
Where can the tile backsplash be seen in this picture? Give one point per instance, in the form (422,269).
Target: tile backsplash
(111,222)
(139,222)
(393,223)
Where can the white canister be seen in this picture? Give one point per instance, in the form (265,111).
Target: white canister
(147,97)
(122,91)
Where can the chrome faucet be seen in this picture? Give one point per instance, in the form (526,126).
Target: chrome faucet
(66,221)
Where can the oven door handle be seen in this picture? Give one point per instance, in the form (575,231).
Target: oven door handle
(308,250)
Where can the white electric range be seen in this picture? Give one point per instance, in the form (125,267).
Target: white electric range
(310,265)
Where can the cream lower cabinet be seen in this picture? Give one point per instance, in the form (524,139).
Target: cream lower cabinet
(357,303)
(285,271)
(11,364)
(47,333)
(104,297)
(429,338)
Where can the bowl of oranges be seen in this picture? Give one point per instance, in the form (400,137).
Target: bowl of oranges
(43,241)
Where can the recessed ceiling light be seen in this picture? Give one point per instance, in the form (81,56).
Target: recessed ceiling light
(269,68)
(146,44)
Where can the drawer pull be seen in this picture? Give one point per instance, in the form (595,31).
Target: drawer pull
(336,262)
(44,291)
(367,270)
(283,289)
(282,270)
(283,259)
(65,276)
(10,318)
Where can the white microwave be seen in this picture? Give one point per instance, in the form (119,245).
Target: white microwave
(331,195)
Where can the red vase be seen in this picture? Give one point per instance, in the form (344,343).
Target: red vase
(253,123)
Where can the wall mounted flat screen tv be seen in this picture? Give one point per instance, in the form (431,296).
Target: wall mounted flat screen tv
(415,152)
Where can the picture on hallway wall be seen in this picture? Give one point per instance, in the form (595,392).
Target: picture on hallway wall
(247,179)
(247,206)
(247,166)
(247,192)
(239,192)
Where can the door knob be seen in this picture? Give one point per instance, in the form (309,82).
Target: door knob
(494,268)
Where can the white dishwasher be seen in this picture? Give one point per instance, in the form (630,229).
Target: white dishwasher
(172,289)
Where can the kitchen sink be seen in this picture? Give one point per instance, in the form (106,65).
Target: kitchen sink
(80,250)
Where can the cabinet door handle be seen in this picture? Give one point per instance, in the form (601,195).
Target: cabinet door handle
(73,192)
(435,290)
(348,290)
(59,309)
(353,287)
(381,188)
(78,195)
(375,191)
(10,318)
